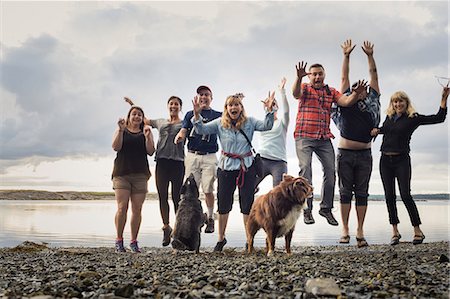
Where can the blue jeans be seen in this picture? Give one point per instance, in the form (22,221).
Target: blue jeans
(324,150)
(276,168)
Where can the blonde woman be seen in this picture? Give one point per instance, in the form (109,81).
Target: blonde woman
(395,163)
(236,161)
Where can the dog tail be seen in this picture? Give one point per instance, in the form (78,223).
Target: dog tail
(178,245)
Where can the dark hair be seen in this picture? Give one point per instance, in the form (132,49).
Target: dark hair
(175,98)
(141,126)
(316,65)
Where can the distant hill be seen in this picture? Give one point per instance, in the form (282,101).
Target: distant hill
(72,195)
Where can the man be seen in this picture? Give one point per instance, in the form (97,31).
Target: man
(354,160)
(201,158)
(312,131)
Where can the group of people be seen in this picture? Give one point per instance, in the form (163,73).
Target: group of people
(355,109)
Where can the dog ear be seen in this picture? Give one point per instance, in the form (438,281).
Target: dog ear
(287,177)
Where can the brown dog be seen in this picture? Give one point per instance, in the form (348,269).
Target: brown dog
(277,212)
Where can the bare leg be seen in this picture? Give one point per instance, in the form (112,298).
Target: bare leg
(345,213)
(137,200)
(361,215)
(417,231)
(223,220)
(395,231)
(122,197)
(209,199)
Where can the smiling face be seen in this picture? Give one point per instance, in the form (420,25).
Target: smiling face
(135,117)
(400,105)
(174,106)
(317,76)
(205,98)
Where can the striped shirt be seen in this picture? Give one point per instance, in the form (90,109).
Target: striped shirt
(313,115)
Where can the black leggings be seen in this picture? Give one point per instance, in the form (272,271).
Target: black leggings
(168,171)
(399,167)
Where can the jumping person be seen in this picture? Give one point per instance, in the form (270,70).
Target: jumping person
(395,162)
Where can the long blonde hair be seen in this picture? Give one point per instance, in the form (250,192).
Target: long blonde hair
(400,95)
(226,119)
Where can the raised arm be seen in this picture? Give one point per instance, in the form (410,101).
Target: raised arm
(301,72)
(444,98)
(347,48)
(373,81)
(284,102)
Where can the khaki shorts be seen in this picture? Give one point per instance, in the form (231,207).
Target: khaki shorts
(136,183)
(204,169)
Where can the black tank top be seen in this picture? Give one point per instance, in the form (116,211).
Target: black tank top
(132,157)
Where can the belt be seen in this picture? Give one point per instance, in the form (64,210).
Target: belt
(391,154)
(199,153)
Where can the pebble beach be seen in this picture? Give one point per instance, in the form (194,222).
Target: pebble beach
(379,271)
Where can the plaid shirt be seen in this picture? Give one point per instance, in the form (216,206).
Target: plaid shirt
(314,108)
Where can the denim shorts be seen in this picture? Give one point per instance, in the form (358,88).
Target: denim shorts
(354,168)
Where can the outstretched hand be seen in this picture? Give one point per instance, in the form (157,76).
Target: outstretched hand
(367,48)
(360,86)
(128,100)
(347,47)
(301,70)
(269,102)
(196,106)
(282,83)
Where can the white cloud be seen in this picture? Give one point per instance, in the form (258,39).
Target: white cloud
(66,65)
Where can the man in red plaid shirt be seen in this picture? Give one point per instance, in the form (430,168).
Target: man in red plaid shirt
(312,131)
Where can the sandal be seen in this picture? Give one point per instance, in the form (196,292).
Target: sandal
(395,240)
(361,242)
(418,239)
(344,239)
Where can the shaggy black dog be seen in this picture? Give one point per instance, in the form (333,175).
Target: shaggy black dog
(189,218)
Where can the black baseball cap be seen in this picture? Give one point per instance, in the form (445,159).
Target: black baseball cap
(201,87)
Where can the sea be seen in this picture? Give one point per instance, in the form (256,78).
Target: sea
(90,223)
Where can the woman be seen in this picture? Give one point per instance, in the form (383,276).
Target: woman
(401,121)
(272,144)
(169,161)
(132,141)
(236,161)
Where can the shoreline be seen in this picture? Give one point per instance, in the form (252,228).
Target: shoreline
(404,270)
(88,195)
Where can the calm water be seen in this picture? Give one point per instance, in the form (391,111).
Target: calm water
(91,224)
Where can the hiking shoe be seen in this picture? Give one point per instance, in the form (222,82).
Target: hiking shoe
(134,247)
(119,246)
(219,246)
(308,217)
(329,216)
(209,226)
(167,232)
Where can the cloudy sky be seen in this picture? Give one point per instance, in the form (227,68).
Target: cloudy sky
(65,67)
